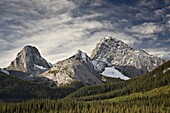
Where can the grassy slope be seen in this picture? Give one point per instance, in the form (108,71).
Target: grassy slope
(157,93)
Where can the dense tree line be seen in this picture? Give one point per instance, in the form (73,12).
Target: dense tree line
(157,78)
(150,102)
(13,89)
(149,93)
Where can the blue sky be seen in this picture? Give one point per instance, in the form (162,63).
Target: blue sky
(58,28)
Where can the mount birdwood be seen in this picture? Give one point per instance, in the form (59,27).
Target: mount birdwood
(114,73)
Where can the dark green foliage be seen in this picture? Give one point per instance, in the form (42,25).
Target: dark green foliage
(14,89)
(149,102)
(147,82)
(146,94)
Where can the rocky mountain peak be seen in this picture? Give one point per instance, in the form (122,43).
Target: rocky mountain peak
(29,61)
(109,39)
(29,49)
(76,68)
(131,62)
(82,56)
(109,44)
(113,42)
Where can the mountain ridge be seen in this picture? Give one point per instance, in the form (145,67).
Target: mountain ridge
(110,53)
(75,68)
(129,61)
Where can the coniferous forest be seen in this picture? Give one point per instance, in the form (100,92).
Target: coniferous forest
(84,56)
(149,93)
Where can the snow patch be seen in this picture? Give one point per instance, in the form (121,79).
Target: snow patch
(51,65)
(4,71)
(154,65)
(136,51)
(40,67)
(106,37)
(112,72)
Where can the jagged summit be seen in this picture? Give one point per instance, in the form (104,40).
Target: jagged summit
(29,61)
(29,52)
(109,43)
(82,56)
(131,62)
(110,38)
(28,48)
(76,68)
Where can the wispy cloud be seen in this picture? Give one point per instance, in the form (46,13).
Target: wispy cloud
(164,52)
(146,28)
(59,28)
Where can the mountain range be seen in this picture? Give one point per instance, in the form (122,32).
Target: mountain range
(146,93)
(110,58)
(116,78)
(129,61)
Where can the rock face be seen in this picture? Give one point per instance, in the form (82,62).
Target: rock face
(28,62)
(129,61)
(76,68)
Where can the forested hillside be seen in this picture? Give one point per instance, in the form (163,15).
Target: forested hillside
(157,78)
(149,93)
(154,101)
(13,89)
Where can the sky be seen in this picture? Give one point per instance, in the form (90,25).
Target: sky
(58,28)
